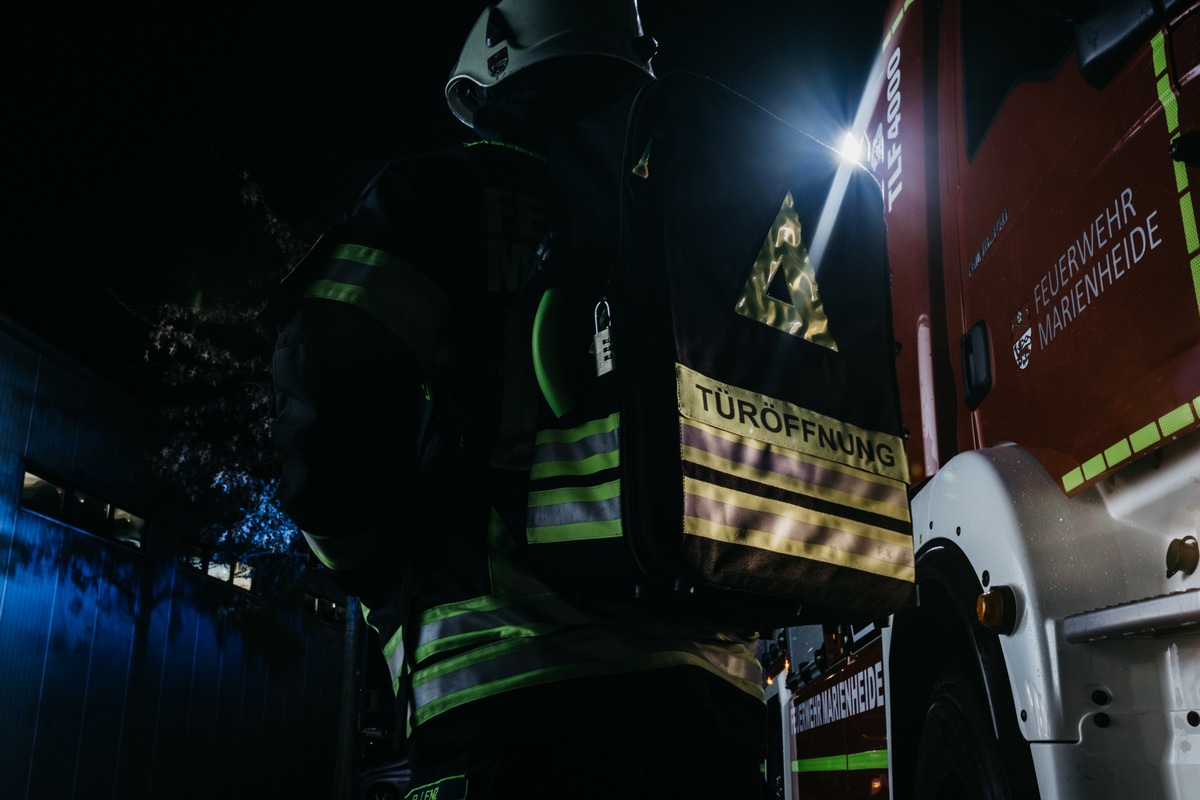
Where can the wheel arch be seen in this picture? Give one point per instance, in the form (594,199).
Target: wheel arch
(941,632)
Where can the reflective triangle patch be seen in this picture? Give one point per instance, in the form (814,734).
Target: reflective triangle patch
(782,288)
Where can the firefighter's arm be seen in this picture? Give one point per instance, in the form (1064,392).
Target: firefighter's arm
(348,400)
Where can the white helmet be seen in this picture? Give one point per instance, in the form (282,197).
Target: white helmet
(514,34)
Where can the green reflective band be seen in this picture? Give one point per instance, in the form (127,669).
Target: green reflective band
(393,654)
(1093,467)
(574,532)
(870,759)
(1144,437)
(896,24)
(1117,453)
(1196,278)
(1179,418)
(823,764)
(417,340)
(585,651)
(391,290)
(1167,98)
(1168,424)
(1159,53)
(1175,420)
(342,553)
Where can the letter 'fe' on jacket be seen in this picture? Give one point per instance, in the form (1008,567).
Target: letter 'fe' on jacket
(406,316)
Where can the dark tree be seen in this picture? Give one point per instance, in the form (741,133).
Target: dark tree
(214,359)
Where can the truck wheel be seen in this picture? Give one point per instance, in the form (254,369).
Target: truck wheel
(958,757)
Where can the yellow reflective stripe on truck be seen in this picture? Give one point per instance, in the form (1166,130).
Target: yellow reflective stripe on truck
(1178,418)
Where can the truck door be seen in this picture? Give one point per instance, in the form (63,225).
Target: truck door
(1070,228)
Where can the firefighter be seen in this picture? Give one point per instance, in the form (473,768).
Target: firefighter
(405,396)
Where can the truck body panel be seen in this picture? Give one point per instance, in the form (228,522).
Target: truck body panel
(1038,162)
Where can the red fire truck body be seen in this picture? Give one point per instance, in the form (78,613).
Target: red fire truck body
(1040,162)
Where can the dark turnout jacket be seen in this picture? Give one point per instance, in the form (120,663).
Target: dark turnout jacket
(405,410)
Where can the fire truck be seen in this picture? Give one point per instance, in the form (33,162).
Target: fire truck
(1039,162)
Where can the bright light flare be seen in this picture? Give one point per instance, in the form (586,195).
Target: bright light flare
(853,147)
(833,202)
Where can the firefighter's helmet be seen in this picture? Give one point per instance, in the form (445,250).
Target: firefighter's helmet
(512,35)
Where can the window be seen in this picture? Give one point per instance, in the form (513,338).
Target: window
(237,573)
(324,609)
(81,509)
(993,64)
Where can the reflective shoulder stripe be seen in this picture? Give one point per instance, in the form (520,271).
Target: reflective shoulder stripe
(345,552)
(395,656)
(390,290)
(454,625)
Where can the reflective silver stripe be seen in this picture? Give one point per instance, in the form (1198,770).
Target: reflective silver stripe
(392,291)
(561,451)
(573,492)
(512,662)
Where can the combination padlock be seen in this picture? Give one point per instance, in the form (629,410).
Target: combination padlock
(602,341)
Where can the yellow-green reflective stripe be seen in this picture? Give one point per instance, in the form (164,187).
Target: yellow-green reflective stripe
(415,281)
(896,24)
(887,508)
(817,552)
(480,637)
(1166,96)
(586,466)
(415,338)
(575,513)
(486,603)
(815,520)
(390,290)
(585,645)
(340,553)
(574,532)
(821,764)
(427,707)
(393,654)
(808,534)
(575,494)
(772,420)
(1179,418)
(603,425)
(481,622)
(582,450)
(1168,424)
(870,759)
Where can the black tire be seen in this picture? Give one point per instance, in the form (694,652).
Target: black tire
(958,757)
(382,791)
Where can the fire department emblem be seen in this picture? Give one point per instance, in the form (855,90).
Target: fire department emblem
(497,62)
(1022,336)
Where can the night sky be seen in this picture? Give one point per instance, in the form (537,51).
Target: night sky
(128,134)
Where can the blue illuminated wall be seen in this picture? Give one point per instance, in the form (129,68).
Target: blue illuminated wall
(122,673)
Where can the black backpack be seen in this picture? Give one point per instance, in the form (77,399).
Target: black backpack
(721,433)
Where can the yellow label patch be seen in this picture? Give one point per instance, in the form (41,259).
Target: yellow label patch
(778,422)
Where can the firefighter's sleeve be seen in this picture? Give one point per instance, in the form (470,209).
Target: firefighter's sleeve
(348,401)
